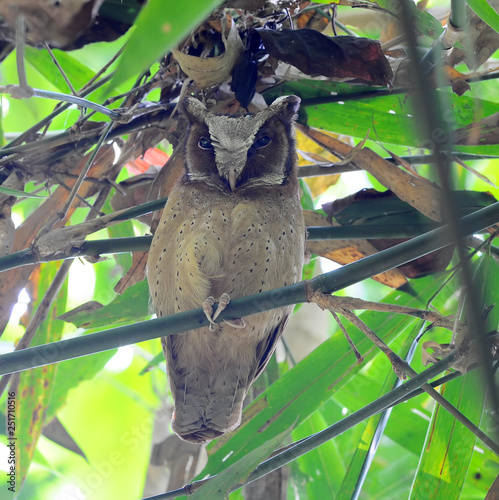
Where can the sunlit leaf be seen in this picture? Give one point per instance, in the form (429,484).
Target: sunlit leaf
(159,27)
(316,378)
(130,307)
(77,73)
(486,12)
(17,193)
(32,389)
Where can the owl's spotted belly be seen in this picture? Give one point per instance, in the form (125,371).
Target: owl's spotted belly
(232,248)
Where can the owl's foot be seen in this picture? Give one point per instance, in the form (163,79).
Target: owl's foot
(223,302)
(208,310)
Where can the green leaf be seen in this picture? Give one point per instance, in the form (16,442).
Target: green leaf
(314,380)
(237,473)
(485,12)
(17,193)
(323,466)
(33,388)
(130,307)
(449,445)
(159,27)
(389,118)
(77,73)
(73,372)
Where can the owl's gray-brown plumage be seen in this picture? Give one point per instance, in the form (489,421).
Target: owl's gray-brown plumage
(233,224)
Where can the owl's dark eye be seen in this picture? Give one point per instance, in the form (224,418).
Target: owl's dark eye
(262,142)
(205,143)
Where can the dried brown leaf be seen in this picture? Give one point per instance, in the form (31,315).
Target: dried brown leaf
(418,192)
(210,71)
(335,57)
(58,23)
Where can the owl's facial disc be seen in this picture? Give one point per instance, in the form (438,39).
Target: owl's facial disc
(237,153)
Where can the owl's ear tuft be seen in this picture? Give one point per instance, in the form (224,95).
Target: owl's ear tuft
(286,107)
(193,109)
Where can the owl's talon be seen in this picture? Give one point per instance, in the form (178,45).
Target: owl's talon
(208,310)
(236,322)
(223,302)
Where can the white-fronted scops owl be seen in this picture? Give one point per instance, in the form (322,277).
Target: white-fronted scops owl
(233,226)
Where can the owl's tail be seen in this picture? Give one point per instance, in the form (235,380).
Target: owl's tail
(208,406)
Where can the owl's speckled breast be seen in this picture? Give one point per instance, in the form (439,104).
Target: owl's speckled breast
(211,243)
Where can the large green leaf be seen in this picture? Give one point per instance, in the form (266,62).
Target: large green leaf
(447,452)
(311,382)
(159,27)
(77,73)
(449,445)
(389,118)
(33,388)
(323,467)
(485,12)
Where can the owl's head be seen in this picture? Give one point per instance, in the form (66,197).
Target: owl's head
(241,152)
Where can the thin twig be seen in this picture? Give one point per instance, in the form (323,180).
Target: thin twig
(97,75)
(14,90)
(397,362)
(20,44)
(35,128)
(78,197)
(337,303)
(360,358)
(83,174)
(59,67)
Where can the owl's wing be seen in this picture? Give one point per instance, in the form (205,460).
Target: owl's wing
(266,348)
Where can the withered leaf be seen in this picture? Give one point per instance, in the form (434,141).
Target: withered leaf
(482,132)
(384,208)
(210,71)
(336,57)
(58,23)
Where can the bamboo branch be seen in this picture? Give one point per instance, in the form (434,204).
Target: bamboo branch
(294,294)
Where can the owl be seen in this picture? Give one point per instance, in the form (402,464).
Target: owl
(233,226)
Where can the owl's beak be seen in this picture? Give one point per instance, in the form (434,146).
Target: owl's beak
(232,179)
(230,166)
